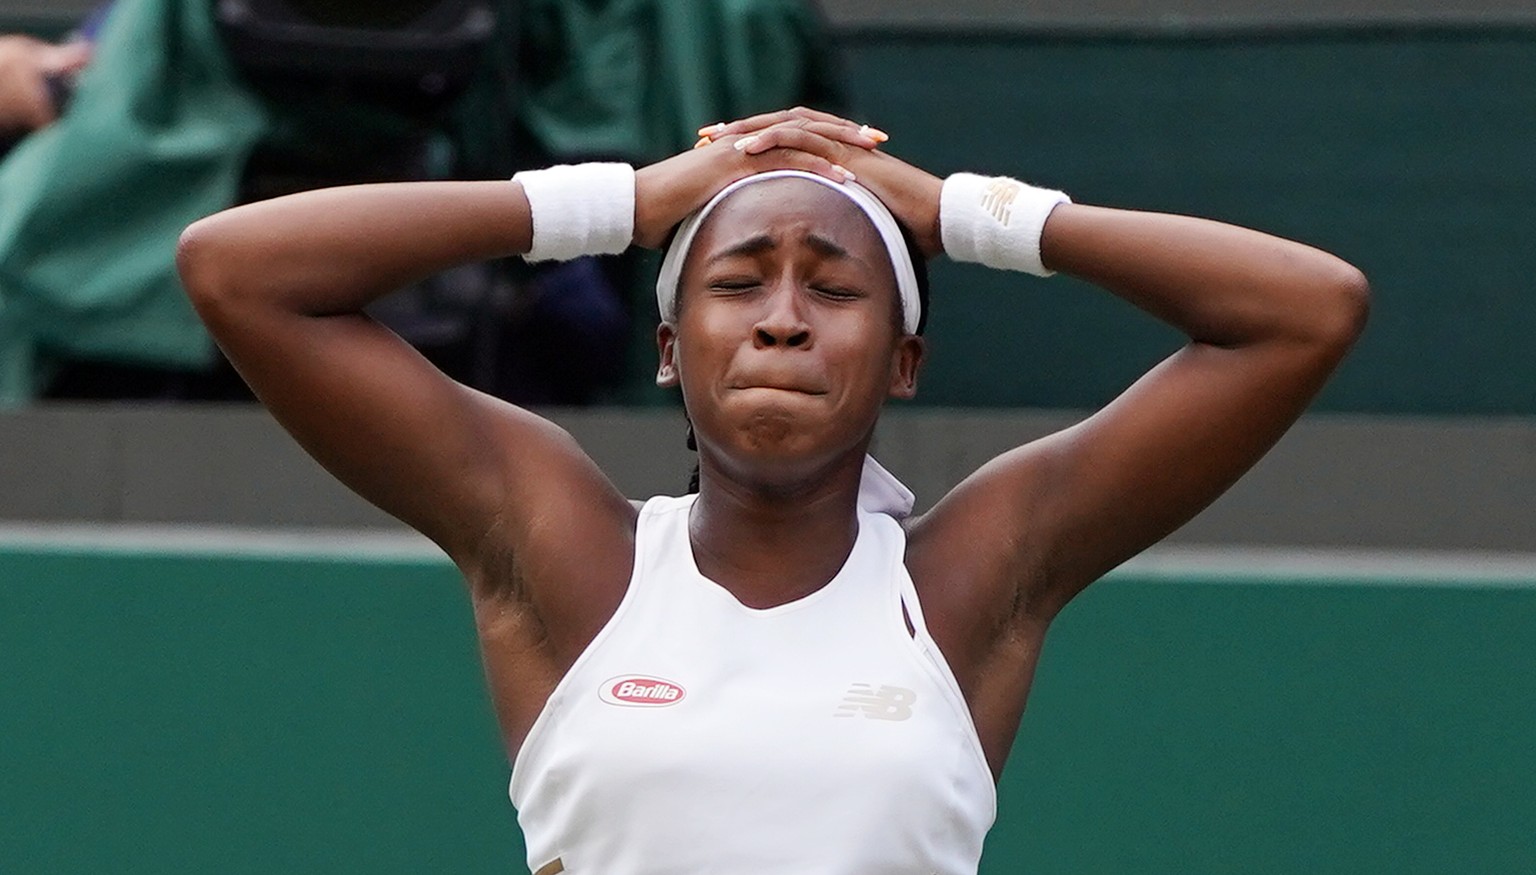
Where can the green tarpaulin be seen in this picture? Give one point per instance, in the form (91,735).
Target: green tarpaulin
(160,128)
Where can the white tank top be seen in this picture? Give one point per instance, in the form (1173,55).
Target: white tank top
(697,735)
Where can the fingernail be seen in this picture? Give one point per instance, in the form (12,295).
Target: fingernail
(875,134)
(742,144)
(703,141)
(710,130)
(847,174)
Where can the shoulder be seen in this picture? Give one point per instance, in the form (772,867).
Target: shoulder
(986,539)
(979,557)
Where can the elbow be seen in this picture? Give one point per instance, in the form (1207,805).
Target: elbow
(198,262)
(192,260)
(1351,293)
(1341,305)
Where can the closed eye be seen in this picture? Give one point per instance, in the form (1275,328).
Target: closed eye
(734,285)
(837,293)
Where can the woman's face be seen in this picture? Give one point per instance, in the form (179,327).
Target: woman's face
(788,337)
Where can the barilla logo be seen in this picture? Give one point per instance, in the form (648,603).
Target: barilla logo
(640,690)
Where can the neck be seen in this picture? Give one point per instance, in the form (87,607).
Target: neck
(768,544)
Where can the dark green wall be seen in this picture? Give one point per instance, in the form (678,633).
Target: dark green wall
(169,715)
(197,716)
(1407,152)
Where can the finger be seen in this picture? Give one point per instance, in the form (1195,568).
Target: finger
(874,133)
(828,143)
(798,114)
(794,137)
(768,119)
(853,132)
(20,43)
(863,137)
(794,159)
(65,59)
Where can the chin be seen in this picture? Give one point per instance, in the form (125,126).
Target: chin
(776,441)
(772,430)
(778,433)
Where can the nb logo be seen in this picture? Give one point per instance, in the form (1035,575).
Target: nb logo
(886,703)
(999,199)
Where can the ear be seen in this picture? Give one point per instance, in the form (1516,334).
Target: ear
(906,359)
(666,346)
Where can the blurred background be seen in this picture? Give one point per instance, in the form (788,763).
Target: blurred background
(213,658)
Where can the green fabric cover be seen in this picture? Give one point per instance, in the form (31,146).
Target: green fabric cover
(637,78)
(160,130)
(91,206)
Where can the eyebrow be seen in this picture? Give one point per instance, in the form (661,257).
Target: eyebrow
(758,244)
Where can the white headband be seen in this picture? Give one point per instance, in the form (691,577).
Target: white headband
(671,275)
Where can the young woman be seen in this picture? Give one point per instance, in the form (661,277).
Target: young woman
(783,673)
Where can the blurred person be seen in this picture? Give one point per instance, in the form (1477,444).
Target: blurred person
(784,671)
(89,205)
(38,77)
(627,80)
(175,121)
(32,76)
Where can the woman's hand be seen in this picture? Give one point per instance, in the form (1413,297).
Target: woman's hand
(667,191)
(911,193)
(800,139)
(25,66)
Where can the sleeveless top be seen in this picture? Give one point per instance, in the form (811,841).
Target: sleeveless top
(698,735)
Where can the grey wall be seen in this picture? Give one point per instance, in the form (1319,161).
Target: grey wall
(44,9)
(1350,481)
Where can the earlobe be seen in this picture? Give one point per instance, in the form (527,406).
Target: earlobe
(666,347)
(906,360)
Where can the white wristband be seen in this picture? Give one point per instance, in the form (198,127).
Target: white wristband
(580,209)
(995,221)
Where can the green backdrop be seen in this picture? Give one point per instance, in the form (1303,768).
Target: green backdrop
(1404,149)
(189,714)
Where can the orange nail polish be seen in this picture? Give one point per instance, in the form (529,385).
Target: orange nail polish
(703,141)
(875,134)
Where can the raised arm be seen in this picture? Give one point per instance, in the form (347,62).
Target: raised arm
(1268,320)
(281,284)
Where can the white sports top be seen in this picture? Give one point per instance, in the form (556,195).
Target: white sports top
(697,735)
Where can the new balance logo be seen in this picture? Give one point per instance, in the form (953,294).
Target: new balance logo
(999,199)
(886,703)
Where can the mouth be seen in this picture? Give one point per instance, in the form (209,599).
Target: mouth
(776,387)
(777,377)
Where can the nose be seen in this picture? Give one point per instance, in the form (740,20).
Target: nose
(783,323)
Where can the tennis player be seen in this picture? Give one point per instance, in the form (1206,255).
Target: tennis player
(785,672)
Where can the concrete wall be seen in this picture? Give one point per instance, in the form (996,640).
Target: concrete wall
(1347,481)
